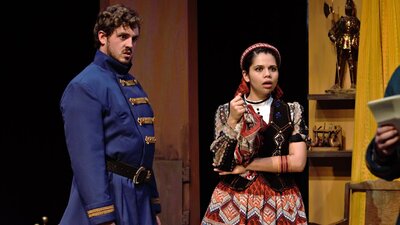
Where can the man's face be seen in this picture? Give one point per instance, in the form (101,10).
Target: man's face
(120,44)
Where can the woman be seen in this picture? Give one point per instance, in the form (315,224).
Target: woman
(260,142)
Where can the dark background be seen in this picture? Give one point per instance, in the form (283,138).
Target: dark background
(44,46)
(51,43)
(225,30)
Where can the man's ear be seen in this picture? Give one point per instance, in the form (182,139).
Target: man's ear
(102,37)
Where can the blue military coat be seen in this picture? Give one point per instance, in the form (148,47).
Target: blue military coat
(106,113)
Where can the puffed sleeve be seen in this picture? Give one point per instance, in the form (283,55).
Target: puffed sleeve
(300,131)
(225,140)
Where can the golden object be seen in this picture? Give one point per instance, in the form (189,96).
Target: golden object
(329,138)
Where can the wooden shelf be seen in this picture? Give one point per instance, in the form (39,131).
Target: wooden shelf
(331,154)
(331,96)
(341,101)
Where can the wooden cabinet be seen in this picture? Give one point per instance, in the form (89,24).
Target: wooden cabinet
(329,170)
(332,110)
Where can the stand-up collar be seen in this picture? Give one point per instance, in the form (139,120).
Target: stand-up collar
(110,63)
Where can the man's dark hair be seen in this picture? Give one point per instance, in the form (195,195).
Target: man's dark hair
(113,17)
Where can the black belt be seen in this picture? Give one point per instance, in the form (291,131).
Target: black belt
(138,175)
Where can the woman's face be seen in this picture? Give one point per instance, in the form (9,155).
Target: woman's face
(262,77)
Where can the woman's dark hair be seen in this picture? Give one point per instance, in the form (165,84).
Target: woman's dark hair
(248,58)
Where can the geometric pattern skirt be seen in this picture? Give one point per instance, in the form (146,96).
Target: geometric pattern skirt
(258,204)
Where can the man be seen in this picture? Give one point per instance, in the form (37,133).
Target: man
(109,132)
(383,153)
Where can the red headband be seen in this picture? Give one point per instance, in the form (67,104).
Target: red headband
(258,45)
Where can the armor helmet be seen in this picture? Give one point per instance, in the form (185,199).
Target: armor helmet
(350,8)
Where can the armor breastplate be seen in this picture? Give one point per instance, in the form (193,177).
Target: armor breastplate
(348,33)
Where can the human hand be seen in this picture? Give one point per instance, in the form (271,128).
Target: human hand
(236,109)
(239,169)
(386,138)
(158,220)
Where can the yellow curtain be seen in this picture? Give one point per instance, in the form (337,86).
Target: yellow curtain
(379,55)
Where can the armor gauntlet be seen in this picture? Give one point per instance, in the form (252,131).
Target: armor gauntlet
(333,33)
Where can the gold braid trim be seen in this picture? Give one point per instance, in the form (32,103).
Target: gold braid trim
(150,139)
(100,211)
(127,82)
(155,201)
(142,100)
(145,120)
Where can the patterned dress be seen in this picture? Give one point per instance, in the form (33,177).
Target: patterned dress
(256,197)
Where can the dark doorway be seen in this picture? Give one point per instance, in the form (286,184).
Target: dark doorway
(226,28)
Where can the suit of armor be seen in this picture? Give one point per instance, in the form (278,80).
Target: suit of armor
(345,35)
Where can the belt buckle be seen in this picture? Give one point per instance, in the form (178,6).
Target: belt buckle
(141,175)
